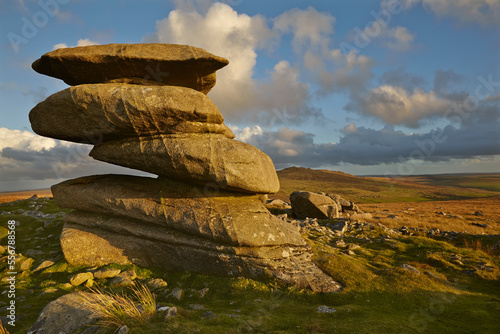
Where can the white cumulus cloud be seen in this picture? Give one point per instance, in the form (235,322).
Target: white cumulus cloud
(29,161)
(80,42)
(395,105)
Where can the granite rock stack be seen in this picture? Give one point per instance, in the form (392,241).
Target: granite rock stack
(144,106)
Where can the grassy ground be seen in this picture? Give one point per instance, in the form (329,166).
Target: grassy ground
(379,296)
(480,181)
(378,190)
(15,195)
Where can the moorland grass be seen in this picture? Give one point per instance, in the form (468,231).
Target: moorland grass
(379,296)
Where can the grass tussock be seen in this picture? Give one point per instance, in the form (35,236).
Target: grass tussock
(117,310)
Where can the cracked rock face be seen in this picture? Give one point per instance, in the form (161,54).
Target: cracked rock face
(229,218)
(204,212)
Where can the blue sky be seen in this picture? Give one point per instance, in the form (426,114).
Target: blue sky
(365,87)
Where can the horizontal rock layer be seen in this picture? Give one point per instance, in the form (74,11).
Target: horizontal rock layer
(205,159)
(169,64)
(227,218)
(94,113)
(91,246)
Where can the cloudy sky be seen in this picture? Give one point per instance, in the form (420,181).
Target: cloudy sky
(366,87)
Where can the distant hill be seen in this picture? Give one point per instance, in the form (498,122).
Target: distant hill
(370,189)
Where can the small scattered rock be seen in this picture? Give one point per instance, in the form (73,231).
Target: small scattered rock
(156,283)
(43,265)
(163,309)
(277,203)
(340,244)
(34,252)
(89,283)
(123,330)
(80,278)
(208,315)
(340,226)
(107,273)
(203,292)
(479,213)
(49,290)
(480,225)
(171,312)
(177,293)
(410,268)
(196,307)
(26,264)
(130,274)
(121,282)
(325,309)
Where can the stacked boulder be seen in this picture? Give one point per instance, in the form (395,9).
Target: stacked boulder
(306,204)
(144,106)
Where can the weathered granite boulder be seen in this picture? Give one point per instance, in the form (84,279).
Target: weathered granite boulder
(312,205)
(228,218)
(64,315)
(84,245)
(94,113)
(146,64)
(195,158)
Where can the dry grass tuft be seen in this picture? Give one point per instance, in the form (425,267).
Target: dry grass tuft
(116,310)
(3,330)
(478,245)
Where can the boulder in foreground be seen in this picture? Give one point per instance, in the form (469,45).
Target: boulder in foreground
(224,217)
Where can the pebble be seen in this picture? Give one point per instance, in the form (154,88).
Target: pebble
(123,330)
(80,278)
(107,273)
(196,307)
(156,283)
(177,293)
(208,315)
(43,265)
(26,264)
(203,292)
(325,309)
(410,268)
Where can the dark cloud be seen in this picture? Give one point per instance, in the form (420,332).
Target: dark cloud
(446,82)
(363,146)
(401,78)
(58,163)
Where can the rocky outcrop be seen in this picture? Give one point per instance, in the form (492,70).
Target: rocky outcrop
(99,112)
(204,212)
(144,64)
(307,204)
(230,218)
